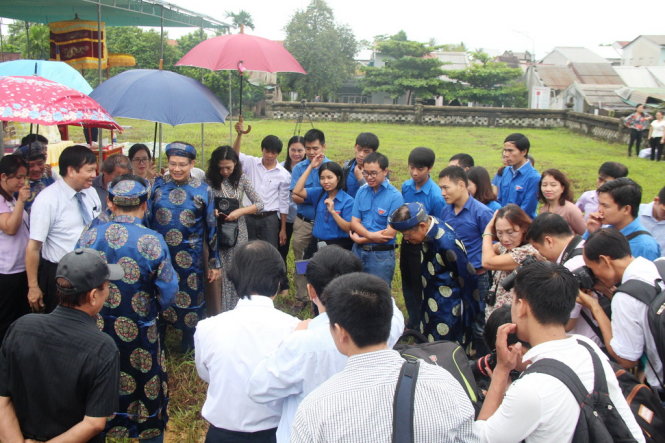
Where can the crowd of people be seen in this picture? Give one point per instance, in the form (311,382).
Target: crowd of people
(111,263)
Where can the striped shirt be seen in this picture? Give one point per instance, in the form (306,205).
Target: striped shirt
(356,405)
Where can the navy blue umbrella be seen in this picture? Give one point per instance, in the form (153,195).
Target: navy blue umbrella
(159,96)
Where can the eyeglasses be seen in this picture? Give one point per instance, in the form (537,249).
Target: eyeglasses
(140,160)
(370,173)
(500,234)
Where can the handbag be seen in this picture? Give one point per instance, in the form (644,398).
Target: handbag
(227,231)
(227,234)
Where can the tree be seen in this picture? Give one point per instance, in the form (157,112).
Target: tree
(241,19)
(408,69)
(487,82)
(31,41)
(324,49)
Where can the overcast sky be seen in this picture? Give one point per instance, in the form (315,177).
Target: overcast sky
(494,25)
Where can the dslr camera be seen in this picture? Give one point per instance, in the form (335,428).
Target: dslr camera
(583,275)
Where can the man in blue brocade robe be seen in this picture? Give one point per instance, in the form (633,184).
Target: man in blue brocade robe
(131,312)
(449,289)
(181,208)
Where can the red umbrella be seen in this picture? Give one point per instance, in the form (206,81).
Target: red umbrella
(242,52)
(37,100)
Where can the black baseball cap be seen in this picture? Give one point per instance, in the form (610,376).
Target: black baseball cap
(86,269)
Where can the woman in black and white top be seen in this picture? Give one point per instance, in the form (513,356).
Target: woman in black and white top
(657,136)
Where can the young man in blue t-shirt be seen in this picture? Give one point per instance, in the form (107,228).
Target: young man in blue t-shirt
(375,201)
(419,188)
(520,181)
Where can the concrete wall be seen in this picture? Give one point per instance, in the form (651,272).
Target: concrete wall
(606,128)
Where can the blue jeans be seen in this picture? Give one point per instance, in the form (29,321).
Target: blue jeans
(379,263)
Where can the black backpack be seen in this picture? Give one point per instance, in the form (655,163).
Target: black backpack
(654,298)
(599,420)
(645,405)
(346,169)
(447,354)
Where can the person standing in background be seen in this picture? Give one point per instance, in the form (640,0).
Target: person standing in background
(366,143)
(14,235)
(556,196)
(315,144)
(295,154)
(34,153)
(422,189)
(519,182)
(637,122)
(657,136)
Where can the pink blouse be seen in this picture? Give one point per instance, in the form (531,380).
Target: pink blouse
(12,258)
(571,214)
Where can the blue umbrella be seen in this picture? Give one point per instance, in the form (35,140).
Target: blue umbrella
(159,96)
(59,72)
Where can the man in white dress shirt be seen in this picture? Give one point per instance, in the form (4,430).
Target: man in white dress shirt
(628,335)
(59,215)
(271,181)
(538,407)
(231,344)
(309,357)
(356,405)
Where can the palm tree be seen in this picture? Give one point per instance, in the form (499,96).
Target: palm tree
(241,19)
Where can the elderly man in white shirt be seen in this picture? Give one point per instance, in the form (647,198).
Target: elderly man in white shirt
(231,344)
(309,357)
(538,407)
(652,217)
(59,215)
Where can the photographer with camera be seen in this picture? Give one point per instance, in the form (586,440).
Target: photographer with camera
(538,407)
(628,335)
(551,235)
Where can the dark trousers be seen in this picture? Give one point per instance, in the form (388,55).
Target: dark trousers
(284,251)
(656,148)
(636,139)
(263,228)
(412,286)
(46,280)
(219,435)
(13,299)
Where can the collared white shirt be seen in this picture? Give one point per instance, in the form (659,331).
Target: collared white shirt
(540,408)
(303,361)
(631,335)
(581,325)
(228,348)
(271,184)
(655,227)
(55,219)
(356,405)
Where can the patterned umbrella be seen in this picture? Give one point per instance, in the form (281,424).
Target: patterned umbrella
(59,72)
(44,102)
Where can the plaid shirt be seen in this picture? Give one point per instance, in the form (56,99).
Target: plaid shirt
(356,405)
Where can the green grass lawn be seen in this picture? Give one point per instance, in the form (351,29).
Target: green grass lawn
(577,156)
